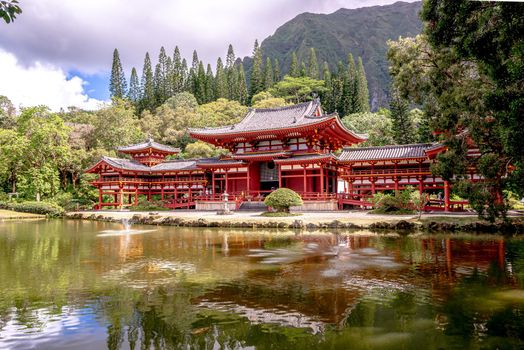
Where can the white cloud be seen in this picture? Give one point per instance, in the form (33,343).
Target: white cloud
(41,84)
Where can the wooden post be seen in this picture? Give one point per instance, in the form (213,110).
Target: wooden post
(372,186)
(322,180)
(226,179)
(421,184)
(100,197)
(213,182)
(136,195)
(446,196)
(279,176)
(305,179)
(248,186)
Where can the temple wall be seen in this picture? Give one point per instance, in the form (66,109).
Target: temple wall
(327,205)
(213,205)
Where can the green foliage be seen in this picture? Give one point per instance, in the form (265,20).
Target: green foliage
(362,32)
(377,126)
(481,198)
(7,113)
(117,81)
(147,87)
(145,205)
(402,125)
(297,89)
(221,89)
(9,9)
(361,89)
(43,208)
(400,202)
(219,113)
(294,69)
(283,198)
(265,100)
(268,74)
(312,66)
(257,79)
(133,93)
(199,149)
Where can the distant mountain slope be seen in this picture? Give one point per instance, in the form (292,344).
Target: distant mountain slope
(363,32)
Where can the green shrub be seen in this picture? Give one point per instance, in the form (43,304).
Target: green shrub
(401,202)
(44,208)
(282,199)
(145,205)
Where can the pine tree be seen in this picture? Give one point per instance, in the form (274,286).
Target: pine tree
(186,83)
(326,97)
(268,74)
(147,98)
(178,72)
(170,89)
(157,84)
(341,91)
(294,69)
(276,71)
(209,85)
(242,85)
(221,90)
(257,80)
(231,74)
(313,64)
(350,87)
(403,129)
(200,85)
(161,87)
(361,90)
(117,83)
(303,69)
(193,75)
(134,87)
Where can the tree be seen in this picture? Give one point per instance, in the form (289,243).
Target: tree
(13,151)
(231,74)
(282,199)
(199,149)
(221,89)
(313,64)
(402,125)
(7,113)
(162,84)
(276,71)
(361,89)
(209,84)
(219,113)
(179,72)
(117,82)
(294,70)
(297,89)
(303,70)
(257,79)
(268,74)
(377,126)
(134,87)
(200,84)
(9,9)
(265,100)
(147,89)
(242,85)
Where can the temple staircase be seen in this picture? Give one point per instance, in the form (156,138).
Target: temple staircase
(253,206)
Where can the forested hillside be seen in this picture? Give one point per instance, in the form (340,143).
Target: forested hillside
(362,32)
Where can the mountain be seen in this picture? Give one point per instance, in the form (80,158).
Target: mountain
(363,32)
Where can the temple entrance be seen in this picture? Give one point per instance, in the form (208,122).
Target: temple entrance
(268,177)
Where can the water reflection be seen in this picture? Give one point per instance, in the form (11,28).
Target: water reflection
(64,286)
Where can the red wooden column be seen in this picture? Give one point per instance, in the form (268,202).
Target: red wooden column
(446,196)
(213,182)
(421,184)
(226,179)
(279,175)
(305,179)
(136,195)
(321,180)
(100,198)
(248,180)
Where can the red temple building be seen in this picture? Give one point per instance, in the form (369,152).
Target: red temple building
(289,147)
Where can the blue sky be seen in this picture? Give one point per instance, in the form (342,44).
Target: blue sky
(59,53)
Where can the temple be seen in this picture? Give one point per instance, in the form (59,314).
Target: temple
(292,147)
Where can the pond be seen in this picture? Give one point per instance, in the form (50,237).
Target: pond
(92,285)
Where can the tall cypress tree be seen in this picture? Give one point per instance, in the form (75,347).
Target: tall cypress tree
(339,82)
(303,70)
(350,87)
(210,88)
(313,64)
(268,74)
(193,74)
(161,87)
(257,80)
(361,89)
(178,72)
(157,84)
(326,97)
(134,87)
(147,100)
(186,82)
(170,88)
(403,129)
(242,85)
(221,89)
(117,83)
(231,74)
(200,85)
(276,71)
(294,69)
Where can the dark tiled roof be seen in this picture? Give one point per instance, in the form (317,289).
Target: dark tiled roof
(265,155)
(125,164)
(270,118)
(384,152)
(305,158)
(175,165)
(148,144)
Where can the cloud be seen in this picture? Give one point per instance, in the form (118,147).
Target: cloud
(42,84)
(82,34)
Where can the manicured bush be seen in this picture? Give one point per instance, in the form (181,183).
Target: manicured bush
(282,199)
(44,208)
(145,205)
(402,202)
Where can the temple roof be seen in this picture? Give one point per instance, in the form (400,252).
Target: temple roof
(269,155)
(306,159)
(356,154)
(133,165)
(270,118)
(147,145)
